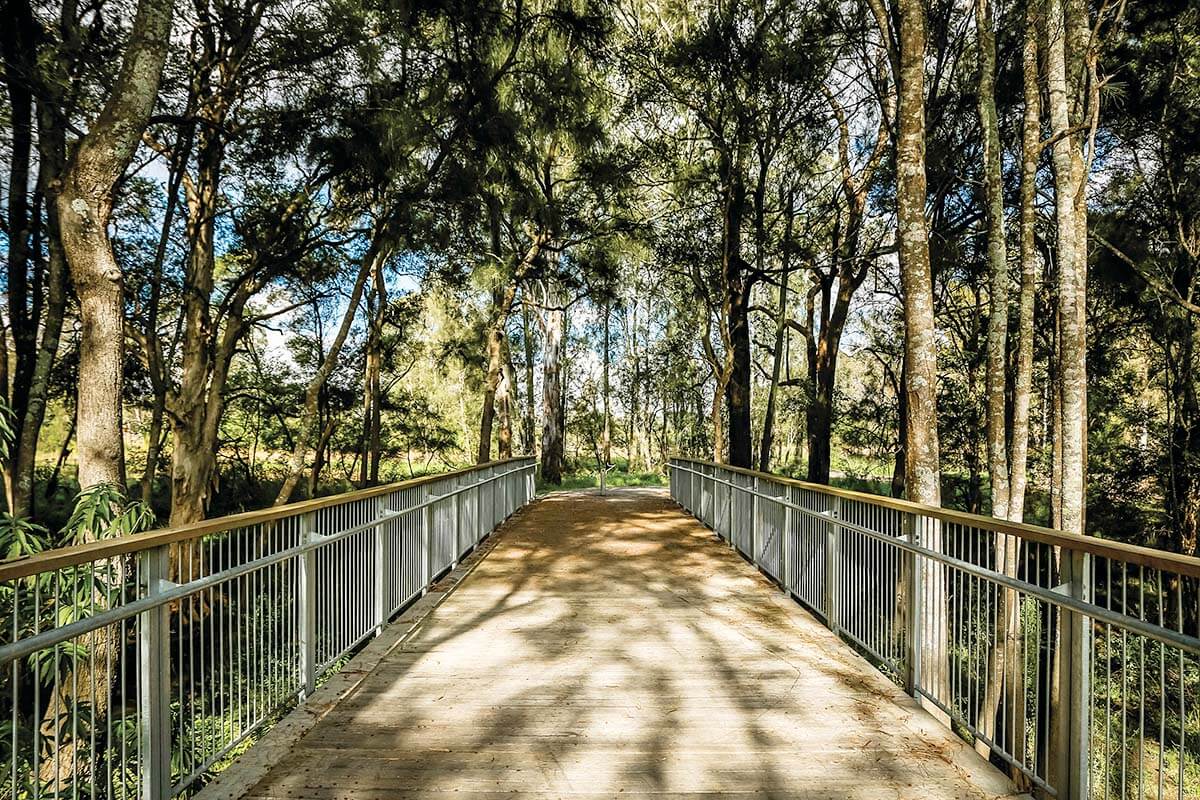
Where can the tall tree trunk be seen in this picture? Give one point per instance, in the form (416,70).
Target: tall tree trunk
(554,322)
(1008,451)
(606,433)
(321,454)
(635,396)
(529,424)
(922,458)
(197,404)
(1067,40)
(374,432)
(902,425)
(19,47)
(1064,85)
(504,406)
(503,299)
(736,286)
(156,368)
(491,381)
(997,263)
(1023,369)
(85,203)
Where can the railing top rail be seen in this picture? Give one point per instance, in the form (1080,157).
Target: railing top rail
(63,557)
(1106,548)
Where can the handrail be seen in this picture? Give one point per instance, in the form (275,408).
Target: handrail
(1050,652)
(1099,613)
(138,675)
(64,557)
(1094,545)
(74,630)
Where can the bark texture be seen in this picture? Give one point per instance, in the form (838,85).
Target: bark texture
(85,202)
(922,457)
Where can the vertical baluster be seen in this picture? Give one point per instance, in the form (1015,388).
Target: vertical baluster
(307,591)
(154,663)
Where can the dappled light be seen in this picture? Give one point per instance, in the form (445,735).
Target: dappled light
(612,646)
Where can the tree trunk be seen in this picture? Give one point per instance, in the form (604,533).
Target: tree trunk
(497,335)
(85,204)
(553,414)
(1063,62)
(736,304)
(1008,450)
(320,455)
(197,404)
(529,425)
(1026,295)
(606,434)
(922,459)
(18,45)
(504,406)
(490,382)
(997,262)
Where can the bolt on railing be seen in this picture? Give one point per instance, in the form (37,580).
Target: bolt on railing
(1071,662)
(135,667)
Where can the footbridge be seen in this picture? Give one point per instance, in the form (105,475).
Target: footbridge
(739,634)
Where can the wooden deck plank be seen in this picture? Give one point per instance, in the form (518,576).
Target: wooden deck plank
(611,646)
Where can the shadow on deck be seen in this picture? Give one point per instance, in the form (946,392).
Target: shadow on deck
(604,646)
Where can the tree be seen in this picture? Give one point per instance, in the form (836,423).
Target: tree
(84,204)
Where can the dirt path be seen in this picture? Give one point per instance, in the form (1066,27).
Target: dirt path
(611,646)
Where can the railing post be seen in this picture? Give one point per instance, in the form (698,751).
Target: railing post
(786,548)
(832,560)
(458,547)
(729,492)
(380,560)
(691,504)
(754,550)
(477,490)
(427,544)
(912,608)
(1071,714)
(154,678)
(308,608)
(495,504)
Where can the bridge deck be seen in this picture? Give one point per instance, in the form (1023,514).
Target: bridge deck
(610,645)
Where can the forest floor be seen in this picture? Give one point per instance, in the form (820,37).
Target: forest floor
(610,645)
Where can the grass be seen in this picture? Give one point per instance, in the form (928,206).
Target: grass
(590,479)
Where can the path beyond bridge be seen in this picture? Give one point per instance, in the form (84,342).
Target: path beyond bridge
(604,646)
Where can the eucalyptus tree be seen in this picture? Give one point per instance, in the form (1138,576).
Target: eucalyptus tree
(1075,38)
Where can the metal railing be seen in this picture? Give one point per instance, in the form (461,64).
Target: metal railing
(1071,662)
(135,667)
